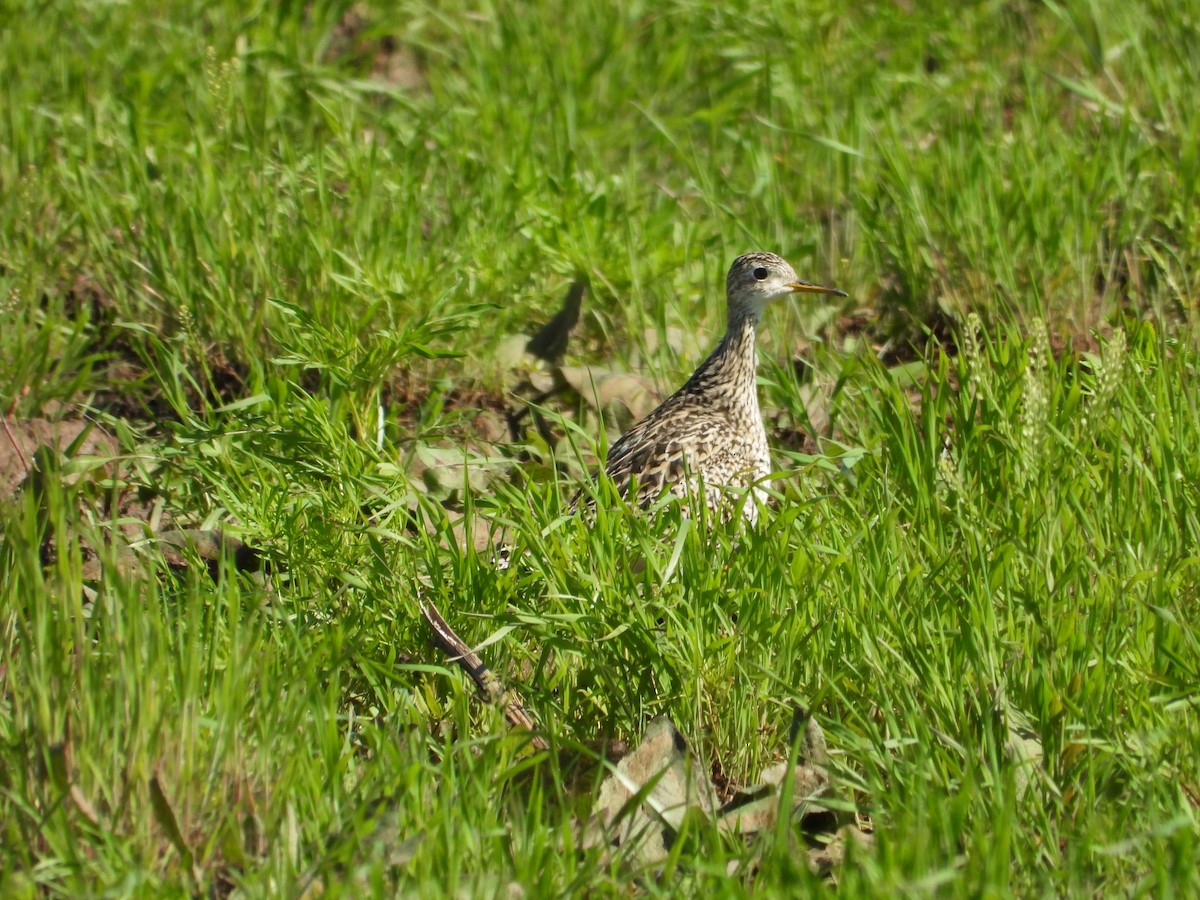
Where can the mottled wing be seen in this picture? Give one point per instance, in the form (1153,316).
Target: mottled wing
(676,441)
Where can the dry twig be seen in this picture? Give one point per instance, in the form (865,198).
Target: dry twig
(488,685)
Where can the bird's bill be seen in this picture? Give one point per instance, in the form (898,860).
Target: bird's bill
(807,287)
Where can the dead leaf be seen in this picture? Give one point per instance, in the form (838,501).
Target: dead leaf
(445,470)
(1024,752)
(602,389)
(824,859)
(20,439)
(756,809)
(642,806)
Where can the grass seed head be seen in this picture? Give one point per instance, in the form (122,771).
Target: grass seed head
(1035,402)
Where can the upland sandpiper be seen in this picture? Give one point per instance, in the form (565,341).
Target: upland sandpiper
(710,432)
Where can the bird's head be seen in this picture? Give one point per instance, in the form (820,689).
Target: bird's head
(755,279)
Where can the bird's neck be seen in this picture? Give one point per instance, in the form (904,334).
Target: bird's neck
(734,362)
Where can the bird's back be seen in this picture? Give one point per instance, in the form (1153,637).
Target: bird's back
(700,435)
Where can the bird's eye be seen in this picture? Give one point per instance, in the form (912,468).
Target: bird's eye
(760,273)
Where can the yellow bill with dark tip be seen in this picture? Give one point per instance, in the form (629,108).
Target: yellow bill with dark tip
(807,287)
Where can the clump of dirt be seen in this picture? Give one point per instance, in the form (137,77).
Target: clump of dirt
(34,452)
(382,57)
(20,439)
